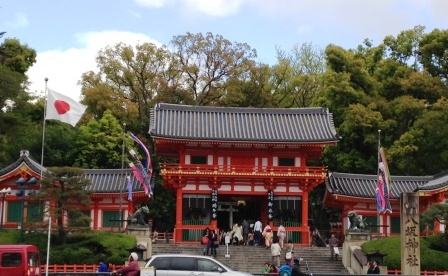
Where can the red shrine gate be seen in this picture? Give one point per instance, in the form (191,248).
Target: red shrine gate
(240,163)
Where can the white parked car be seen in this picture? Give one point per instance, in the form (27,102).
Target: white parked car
(190,265)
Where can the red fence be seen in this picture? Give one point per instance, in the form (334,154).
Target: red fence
(76,268)
(422,272)
(94,267)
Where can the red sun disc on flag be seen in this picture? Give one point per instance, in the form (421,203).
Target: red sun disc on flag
(62,107)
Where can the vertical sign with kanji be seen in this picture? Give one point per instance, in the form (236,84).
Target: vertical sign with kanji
(270,205)
(410,234)
(214,204)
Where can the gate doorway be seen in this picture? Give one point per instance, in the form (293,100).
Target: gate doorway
(236,210)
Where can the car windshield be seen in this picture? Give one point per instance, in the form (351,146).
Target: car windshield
(208,265)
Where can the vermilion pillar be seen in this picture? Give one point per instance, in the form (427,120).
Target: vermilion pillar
(306,231)
(178,228)
(95,214)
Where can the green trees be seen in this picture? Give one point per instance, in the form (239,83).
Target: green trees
(100,143)
(19,117)
(388,88)
(65,186)
(205,63)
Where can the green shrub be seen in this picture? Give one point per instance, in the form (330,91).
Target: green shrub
(430,259)
(82,247)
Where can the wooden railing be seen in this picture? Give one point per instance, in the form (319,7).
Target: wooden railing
(240,170)
(163,236)
(193,234)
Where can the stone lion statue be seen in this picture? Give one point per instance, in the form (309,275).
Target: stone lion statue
(356,222)
(140,217)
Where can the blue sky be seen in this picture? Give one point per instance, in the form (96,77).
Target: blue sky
(67,34)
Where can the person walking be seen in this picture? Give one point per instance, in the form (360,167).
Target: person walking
(275,252)
(238,234)
(246,230)
(281,234)
(268,235)
(155,235)
(257,232)
(334,243)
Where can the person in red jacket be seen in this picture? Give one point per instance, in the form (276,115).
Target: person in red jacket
(132,269)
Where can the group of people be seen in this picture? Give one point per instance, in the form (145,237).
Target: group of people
(246,234)
(210,242)
(373,268)
(291,267)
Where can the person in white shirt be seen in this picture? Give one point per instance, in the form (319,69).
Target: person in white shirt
(275,252)
(258,228)
(238,234)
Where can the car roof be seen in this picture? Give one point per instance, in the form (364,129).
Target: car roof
(189,255)
(180,255)
(16,246)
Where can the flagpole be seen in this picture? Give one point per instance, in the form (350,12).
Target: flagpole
(122,172)
(43,129)
(48,245)
(377,179)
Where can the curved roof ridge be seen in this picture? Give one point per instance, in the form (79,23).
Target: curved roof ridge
(364,185)
(27,160)
(243,124)
(225,109)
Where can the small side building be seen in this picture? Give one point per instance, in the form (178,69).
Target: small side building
(356,192)
(109,196)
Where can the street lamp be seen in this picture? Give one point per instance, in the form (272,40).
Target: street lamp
(22,186)
(4,192)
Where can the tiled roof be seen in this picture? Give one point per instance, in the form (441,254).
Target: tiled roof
(242,124)
(103,180)
(111,180)
(439,181)
(26,159)
(362,185)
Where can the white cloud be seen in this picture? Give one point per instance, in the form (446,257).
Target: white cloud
(152,3)
(64,68)
(217,8)
(212,8)
(19,21)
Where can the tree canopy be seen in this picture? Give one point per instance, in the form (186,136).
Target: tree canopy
(65,186)
(398,86)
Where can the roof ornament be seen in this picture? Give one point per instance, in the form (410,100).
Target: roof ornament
(324,109)
(24,153)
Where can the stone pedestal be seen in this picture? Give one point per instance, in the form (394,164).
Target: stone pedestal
(357,235)
(353,240)
(139,230)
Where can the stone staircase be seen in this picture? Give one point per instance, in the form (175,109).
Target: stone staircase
(252,258)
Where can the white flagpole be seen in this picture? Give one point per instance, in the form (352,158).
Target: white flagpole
(43,129)
(48,245)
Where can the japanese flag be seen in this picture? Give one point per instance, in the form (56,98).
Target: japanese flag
(63,108)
